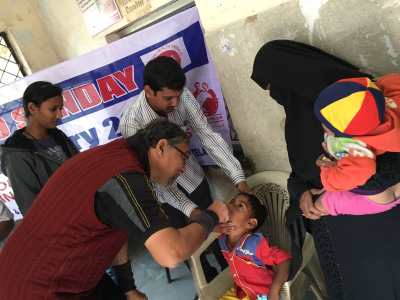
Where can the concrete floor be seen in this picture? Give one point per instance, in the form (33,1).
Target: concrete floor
(151,279)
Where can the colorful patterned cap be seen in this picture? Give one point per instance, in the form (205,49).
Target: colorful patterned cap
(351,107)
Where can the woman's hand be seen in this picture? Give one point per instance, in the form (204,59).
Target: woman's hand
(308,207)
(320,206)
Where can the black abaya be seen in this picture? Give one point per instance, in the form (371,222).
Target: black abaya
(359,255)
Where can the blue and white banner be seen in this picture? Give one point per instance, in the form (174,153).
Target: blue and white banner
(97,85)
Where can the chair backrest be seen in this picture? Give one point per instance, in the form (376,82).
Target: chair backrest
(276,200)
(270,188)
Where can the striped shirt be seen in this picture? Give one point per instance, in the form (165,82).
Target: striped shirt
(187,115)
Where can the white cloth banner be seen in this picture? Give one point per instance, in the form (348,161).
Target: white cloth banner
(97,85)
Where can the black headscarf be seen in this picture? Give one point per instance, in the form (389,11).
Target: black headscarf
(296,73)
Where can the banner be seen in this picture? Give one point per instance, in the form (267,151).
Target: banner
(97,86)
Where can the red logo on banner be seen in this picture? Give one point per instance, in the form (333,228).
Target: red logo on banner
(172,51)
(173,54)
(206,97)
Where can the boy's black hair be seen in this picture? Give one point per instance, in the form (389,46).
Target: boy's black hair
(258,210)
(38,92)
(164,72)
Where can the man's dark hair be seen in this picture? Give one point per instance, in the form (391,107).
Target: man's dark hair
(38,92)
(149,136)
(164,72)
(258,210)
(162,129)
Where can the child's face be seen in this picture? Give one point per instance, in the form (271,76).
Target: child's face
(240,212)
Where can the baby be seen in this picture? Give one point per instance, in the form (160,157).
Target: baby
(360,173)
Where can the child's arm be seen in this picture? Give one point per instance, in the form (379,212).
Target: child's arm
(348,173)
(281,275)
(390,86)
(274,256)
(348,203)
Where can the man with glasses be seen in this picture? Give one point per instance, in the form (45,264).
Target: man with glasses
(165,96)
(87,211)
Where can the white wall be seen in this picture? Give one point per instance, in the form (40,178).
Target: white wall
(65,25)
(21,19)
(216,14)
(366,33)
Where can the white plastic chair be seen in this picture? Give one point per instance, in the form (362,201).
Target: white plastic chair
(270,187)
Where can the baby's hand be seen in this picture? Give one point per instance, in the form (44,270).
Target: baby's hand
(323,161)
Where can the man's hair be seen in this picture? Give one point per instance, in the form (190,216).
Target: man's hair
(258,210)
(164,72)
(162,129)
(39,92)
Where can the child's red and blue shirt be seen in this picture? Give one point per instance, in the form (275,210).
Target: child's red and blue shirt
(250,263)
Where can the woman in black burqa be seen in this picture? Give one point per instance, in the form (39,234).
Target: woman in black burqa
(359,255)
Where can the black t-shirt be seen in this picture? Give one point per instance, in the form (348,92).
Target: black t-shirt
(128,202)
(49,146)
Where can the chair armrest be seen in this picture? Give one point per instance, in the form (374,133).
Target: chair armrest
(195,264)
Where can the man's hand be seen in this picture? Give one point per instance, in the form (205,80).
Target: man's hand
(243,187)
(221,209)
(308,208)
(135,295)
(224,228)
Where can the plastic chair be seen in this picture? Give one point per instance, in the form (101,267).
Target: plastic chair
(270,187)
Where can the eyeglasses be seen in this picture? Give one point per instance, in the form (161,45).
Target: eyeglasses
(185,155)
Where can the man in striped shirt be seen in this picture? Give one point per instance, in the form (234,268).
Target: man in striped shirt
(165,96)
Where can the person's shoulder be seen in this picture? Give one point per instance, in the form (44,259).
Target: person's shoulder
(18,140)
(252,241)
(136,180)
(136,102)
(187,96)
(134,109)
(16,151)
(256,237)
(58,133)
